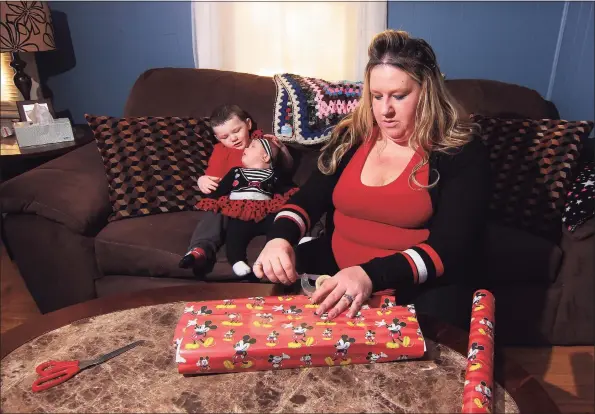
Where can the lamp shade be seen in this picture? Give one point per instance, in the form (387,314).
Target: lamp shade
(26,26)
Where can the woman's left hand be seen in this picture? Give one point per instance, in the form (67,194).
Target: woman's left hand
(337,292)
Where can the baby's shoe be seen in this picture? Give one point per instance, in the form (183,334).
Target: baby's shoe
(194,258)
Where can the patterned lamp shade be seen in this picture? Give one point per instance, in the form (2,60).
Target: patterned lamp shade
(26,26)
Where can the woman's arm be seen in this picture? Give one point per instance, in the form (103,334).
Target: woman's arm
(306,206)
(456,228)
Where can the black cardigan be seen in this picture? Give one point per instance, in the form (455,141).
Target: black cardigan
(459,202)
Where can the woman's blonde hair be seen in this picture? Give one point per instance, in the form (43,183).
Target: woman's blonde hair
(437,123)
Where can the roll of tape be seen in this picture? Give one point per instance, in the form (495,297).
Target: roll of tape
(320,280)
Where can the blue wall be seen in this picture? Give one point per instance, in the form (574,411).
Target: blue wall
(573,88)
(114,42)
(515,42)
(511,42)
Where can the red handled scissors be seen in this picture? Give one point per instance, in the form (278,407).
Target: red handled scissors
(52,373)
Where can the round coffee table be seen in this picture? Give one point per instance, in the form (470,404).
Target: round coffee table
(146,378)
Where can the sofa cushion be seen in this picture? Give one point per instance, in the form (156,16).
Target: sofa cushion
(152,163)
(500,99)
(515,256)
(146,246)
(307,109)
(532,163)
(153,245)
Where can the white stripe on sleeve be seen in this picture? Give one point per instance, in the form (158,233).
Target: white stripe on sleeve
(294,217)
(422,270)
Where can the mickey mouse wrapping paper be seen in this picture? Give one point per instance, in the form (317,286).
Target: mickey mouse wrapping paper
(277,332)
(479,376)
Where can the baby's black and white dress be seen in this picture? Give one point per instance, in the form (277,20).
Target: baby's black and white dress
(248,196)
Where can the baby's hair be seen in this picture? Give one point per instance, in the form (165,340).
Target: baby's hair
(224,113)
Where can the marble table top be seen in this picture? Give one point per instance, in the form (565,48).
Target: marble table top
(145,379)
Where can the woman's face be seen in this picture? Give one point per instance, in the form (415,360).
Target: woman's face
(394,101)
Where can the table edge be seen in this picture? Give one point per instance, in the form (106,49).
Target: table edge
(526,391)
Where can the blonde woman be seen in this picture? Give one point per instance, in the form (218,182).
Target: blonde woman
(404,184)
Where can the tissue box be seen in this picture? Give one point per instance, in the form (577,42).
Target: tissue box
(35,134)
(269,333)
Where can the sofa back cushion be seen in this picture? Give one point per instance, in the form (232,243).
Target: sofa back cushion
(152,163)
(196,92)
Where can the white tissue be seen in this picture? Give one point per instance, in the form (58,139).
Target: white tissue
(40,115)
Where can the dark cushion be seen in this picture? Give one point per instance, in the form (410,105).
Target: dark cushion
(500,99)
(516,256)
(146,246)
(153,245)
(152,163)
(532,164)
(195,92)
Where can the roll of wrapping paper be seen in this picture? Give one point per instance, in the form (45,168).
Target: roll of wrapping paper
(479,377)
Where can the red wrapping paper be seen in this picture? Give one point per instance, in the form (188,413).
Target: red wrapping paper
(479,377)
(277,332)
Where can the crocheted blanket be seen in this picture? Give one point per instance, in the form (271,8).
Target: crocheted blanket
(307,109)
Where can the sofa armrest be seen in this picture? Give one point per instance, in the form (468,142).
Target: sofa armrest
(71,190)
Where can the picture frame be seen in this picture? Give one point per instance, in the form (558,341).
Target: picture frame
(25,106)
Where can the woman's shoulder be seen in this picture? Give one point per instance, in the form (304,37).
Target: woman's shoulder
(472,155)
(474,148)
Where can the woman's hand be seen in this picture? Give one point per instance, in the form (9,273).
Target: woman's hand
(277,262)
(336,291)
(208,184)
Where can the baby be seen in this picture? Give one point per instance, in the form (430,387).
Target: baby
(247,195)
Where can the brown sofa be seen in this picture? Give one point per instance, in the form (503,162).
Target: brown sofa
(56,229)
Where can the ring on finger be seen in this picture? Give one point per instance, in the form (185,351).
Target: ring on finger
(349,298)
(258,264)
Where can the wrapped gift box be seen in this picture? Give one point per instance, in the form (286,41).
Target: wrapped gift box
(276,332)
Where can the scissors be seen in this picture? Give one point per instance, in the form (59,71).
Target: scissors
(52,373)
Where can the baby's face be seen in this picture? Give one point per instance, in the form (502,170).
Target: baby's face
(255,155)
(234,133)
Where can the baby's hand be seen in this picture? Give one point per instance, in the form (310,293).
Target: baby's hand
(207,184)
(275,141)
(286,158)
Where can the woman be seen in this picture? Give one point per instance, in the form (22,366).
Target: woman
(404,183)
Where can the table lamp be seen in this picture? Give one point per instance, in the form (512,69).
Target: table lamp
(25,26)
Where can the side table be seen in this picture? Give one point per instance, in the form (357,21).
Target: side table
(146,379)
(15,160)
